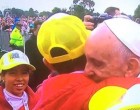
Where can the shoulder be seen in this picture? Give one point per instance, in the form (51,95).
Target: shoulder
(2,98)
(32,97)
(65,79)
(70,88)
(115,88)
(65,83)
(29,92)
(122,82)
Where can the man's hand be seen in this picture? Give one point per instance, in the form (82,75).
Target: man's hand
(89,25)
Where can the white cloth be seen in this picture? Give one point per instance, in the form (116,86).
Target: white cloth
(16,102)
(132,97)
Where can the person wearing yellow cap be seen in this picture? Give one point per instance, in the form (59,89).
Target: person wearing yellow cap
(61,41)
(113,61)
(15,94)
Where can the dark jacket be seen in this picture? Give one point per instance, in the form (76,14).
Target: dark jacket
(36,59)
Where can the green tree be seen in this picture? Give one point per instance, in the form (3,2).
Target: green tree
(7,12)
(64,10)
(1,15)
(26,13)
(32,12)
(17,12)
(56,10)
(82,7)
(78,11)
(87,4)
(45,13)
(36,13)
(137,12)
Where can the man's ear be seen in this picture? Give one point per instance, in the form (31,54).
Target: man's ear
(47,64)
(133,69)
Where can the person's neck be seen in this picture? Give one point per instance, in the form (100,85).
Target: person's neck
(16,101)
(16,95)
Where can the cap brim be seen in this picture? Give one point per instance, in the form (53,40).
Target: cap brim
(17,64)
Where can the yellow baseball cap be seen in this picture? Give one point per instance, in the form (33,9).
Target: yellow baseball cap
(14,58)
(106,97)
(63,31)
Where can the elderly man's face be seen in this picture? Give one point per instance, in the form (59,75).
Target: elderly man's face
(102,60)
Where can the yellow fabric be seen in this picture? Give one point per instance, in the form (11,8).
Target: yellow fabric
(132,107)
(106,98)
(16,38)
(67,32)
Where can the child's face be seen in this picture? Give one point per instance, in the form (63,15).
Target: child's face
(16,79)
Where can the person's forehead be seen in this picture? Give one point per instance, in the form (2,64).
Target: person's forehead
(23,66)
(101,33)
(101,39)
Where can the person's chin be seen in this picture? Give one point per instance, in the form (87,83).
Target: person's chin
(18,90)
(95,78)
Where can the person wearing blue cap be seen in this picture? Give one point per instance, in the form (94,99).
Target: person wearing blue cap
(16,20)
(61,41)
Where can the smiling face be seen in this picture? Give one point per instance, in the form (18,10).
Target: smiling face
(16,79)
(103,59)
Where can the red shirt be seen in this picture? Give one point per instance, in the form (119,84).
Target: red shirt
(74,91)
(4,105)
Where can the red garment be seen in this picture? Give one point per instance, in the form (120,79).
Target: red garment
(4,105)
(74,91)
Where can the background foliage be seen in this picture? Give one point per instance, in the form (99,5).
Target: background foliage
(79,8)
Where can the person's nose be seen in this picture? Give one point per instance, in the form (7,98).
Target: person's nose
(19,77)
(89,69)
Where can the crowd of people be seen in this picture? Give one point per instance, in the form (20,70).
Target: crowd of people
(8,22)
(73,65)
(24,27)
